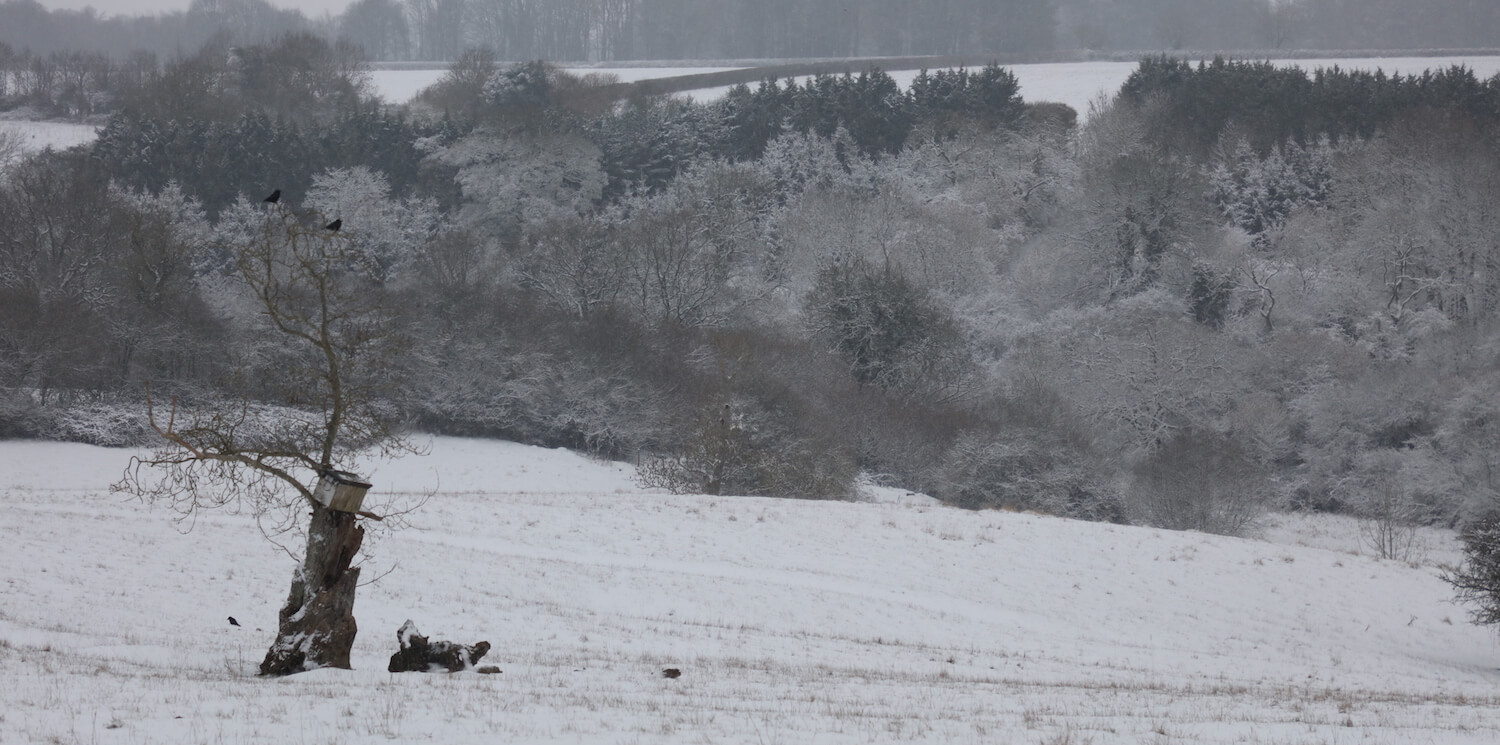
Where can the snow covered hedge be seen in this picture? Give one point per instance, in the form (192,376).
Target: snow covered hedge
(111,423)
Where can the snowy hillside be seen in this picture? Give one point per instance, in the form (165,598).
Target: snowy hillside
(792,622)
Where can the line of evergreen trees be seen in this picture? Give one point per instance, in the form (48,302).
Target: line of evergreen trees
(1194,105)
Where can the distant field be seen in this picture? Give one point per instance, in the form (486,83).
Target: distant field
(56,135)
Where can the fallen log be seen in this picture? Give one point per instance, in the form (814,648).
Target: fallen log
(418,655)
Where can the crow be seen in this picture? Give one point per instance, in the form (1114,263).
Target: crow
(233,622)
(274,198)
(335,225)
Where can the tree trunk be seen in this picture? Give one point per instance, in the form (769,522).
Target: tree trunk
(317,622)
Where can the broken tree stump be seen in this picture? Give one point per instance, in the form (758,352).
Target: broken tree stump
(418,655)
(317,625)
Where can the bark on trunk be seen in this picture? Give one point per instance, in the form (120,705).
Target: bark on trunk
(317,622)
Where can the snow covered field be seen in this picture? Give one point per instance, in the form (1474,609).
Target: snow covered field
(792,622)
(56,135)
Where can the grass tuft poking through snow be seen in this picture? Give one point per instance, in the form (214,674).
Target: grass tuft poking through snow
(893,620)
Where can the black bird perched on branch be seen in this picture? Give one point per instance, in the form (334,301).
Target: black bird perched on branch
(274,198)
(335,225)
(233,622)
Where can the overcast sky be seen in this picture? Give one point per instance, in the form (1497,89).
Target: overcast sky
(309,8)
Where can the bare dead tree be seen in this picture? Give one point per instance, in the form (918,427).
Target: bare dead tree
(320,367)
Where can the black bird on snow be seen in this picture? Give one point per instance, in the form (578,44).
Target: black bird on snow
(233,622)
(274,198)
(335,225)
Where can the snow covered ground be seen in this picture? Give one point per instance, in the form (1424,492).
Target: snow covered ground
(56,135)
(792,621)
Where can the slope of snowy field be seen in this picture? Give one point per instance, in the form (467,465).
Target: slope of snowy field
(791,621)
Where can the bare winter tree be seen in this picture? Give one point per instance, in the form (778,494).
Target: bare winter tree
(1199,481)
(311,402)
(1394,490)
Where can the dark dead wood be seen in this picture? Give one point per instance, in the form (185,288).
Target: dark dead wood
(317,626)
(418,655)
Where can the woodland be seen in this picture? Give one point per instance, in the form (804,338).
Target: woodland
(1229,288)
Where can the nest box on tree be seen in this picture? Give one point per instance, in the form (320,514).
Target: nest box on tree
(340,490)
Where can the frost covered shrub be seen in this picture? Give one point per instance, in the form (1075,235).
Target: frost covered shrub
(892,333)
(523,84)
(1378,427)
(1396,490)
(20,417)
(731,450)
(509,370)
(107,423)
(762,417)
(1199,481)
(1477,580)
(461,89)
(1022,469)
(717,454)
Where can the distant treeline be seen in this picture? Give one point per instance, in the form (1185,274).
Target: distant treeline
(221,129)
(765,29)
(1193,105)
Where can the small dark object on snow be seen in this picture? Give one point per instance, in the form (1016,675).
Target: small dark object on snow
(418,655)
(274,198)
(671,672)
(487,670)
(335,225)
(233,622)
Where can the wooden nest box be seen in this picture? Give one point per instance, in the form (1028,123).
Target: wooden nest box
(340,490)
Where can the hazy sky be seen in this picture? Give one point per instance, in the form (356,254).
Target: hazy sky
(309,8)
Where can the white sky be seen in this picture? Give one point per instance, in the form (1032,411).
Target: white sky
(309,8)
